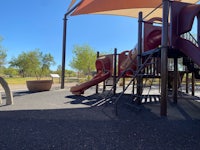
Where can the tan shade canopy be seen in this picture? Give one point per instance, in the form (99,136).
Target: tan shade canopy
(129,8)
(71,4)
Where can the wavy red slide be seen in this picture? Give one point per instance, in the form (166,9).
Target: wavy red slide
(189,49)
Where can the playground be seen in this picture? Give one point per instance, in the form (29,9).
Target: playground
(142,98)
(163,57)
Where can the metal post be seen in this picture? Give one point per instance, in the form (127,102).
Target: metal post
(187,82)
(64,51)
(97,86)
(164,57)
(193,83)
(64,43)
(175,82)
(115,71)
(139,58)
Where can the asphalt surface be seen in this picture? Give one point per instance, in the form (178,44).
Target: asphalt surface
(58,120)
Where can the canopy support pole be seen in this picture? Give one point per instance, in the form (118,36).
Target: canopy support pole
(164,59)
(64,51)
(64,43)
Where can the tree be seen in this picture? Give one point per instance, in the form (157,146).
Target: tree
(33,63)
(84,59)
(58,70)
(70,73)
(3,54)
(11,72)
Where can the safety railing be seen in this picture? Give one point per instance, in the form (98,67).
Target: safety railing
(188,36)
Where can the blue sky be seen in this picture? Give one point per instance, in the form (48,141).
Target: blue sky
(30,24)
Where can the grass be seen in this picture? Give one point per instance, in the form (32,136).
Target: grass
(19,80)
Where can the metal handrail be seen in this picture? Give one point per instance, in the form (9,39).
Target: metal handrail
(188,36)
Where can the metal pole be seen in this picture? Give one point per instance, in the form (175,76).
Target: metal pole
(64,51)
(175,82)
(97,86)
(64,43)
(139,59)
(164,57)
(115,71)
(193,83)
(187,82)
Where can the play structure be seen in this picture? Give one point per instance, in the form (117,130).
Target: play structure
(171,39)
(126,65)
(104,67)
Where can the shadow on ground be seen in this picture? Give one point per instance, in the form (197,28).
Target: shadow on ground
(87,100)
(91,129)
(135,127)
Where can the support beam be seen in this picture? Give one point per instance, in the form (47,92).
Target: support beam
(115,71)
(64,51)
(175,81)
(97,86)
(187,82)
(139,57)
(164,57)
(193,83)
(64,43)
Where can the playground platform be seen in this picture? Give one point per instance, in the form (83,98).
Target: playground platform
(59,120)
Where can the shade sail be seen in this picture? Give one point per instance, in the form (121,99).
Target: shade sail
(129,8)
(71,4)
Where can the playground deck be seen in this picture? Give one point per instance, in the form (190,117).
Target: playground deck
(58,120)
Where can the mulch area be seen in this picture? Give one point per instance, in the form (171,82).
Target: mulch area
(57,120)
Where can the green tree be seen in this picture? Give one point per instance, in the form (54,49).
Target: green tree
(84,59)
(33,63)
(45,63)
(70,73)
(3,54)
(58,70)
(11,72)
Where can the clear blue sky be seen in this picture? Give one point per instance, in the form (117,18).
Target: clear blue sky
(29,24)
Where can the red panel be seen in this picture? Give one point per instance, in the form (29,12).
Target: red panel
(189,49)
(186,18)
(152,34)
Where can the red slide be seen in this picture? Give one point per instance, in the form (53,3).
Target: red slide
(189,49)
(104,67)
(79,89)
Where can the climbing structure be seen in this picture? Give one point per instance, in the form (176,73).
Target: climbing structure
(174,43)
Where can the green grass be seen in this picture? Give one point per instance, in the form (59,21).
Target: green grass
(19,80)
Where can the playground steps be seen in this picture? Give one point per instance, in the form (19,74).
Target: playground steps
(147,59)
(147,98)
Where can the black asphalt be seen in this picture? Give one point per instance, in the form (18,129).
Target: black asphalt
(66,122)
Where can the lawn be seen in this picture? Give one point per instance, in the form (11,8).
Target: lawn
(19,80)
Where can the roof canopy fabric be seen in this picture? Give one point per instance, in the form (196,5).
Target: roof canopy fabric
(129,8)
(71,4)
